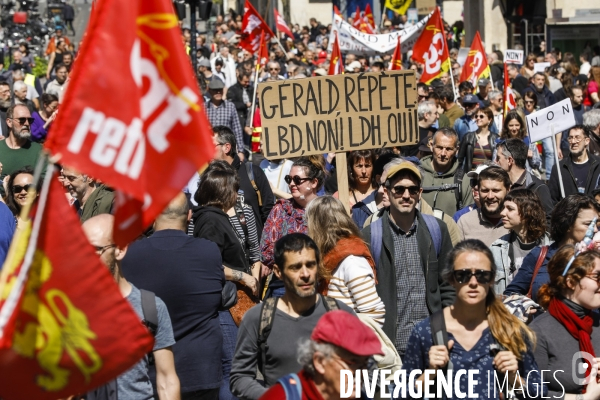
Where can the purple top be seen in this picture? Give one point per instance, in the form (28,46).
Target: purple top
(38,133)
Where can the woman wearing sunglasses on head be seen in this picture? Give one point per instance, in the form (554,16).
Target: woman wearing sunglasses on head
(287,216)
(571,325)
(478,147)
(482,334)
(17,188)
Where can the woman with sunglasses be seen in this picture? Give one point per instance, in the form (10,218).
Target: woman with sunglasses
(482,334)
(523,215)
(287,216)
(478,147)
(569,223)
(529,101)
(514,127)
(17,188)
(571,325)
(346,257)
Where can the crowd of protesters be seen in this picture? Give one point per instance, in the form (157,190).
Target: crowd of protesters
(264,283)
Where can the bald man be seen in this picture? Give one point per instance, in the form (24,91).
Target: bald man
(135,383)
(187,273)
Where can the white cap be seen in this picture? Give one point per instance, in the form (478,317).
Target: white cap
(475,174)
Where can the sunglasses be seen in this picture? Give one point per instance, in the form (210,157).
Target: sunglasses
(412,190)
(296,179)
(22,120)
(529,101)
(480,116)
(273,69)
(423,97)
(19,188)
(464,275)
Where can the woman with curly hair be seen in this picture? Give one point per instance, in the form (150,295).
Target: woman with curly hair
(524,217)
(571,325)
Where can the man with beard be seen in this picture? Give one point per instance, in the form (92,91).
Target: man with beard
(57,86)
(292,319)
(18,151)
(579,171)
(485,223)
(5,102)
(92,197)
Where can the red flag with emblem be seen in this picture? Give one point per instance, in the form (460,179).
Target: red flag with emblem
(336,65)
(396,63)
(369,15)
(510,103)
(431,49)
(281,25)
(475,66)
(149,146)
(252,26)
(65,327)
(263,52)
(357,18)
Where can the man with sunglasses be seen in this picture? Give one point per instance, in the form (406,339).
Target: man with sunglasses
(411,259)
(422,92)
(18,151)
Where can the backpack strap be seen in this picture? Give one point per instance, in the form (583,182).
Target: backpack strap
(330,304)
(538,265)
(434,230)
(250,173)
(267,316)
(458,178)
(150,316)
(376,241)
(292,386)
(439,334)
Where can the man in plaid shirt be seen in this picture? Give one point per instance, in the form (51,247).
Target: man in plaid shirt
(223,112)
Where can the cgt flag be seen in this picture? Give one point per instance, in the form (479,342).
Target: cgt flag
(369,16)
(476,66)
(336,65)
(65,328)
(396,63)
(252,26)
(281,25)
(431,49)
(149,146)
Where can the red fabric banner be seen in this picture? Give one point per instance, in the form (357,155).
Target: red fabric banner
(336,65)
(476,65)
(396,62)
(431,50)
(281,25)
(252,26)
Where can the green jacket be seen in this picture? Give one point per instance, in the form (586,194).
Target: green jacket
(100,202)
(446,199)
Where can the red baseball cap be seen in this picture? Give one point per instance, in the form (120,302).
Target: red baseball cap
(345,330)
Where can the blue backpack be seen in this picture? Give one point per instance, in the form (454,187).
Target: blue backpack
(292,386)
(377,236)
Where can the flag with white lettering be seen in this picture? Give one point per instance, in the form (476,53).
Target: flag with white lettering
(431,49)
(142,131)
(281,25)
(252,26)
(476,65)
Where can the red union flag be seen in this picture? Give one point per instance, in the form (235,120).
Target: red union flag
(396,63)
(282,25)
(252,26)
(142,131)
(336,65)
(431,50)
(263,52)
(65,328)
(510,103)
(476,65)
(369,15)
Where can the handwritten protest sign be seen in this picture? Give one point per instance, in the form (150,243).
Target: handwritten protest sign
(513,56)
(338,113)
(547,121)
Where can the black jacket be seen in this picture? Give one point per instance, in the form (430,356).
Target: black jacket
(213,224)
(566,169)
(235,94)
(438,294)
(251,197)
(467,146)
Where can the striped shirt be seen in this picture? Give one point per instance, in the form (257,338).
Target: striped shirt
(352,283)
(480,156)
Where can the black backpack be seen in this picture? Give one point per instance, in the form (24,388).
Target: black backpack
(456,186)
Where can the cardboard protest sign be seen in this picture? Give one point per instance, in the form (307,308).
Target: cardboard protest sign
(513,56)
(338,113)
(425,6)
(550,120)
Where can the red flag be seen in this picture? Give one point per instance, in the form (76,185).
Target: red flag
(396,63)
(336,10)
(364,26)
(281,25)
(476,65)
(150,145)
(369,15)
(510,103)
(252,26)
(263,52)
(336,66)
(431,50)
(357,18)
(65,328)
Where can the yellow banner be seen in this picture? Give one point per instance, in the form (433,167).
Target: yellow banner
(399,6)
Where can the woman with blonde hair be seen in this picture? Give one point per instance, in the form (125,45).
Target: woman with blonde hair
(346,257)
(482,334)
(571,325)
(527,69)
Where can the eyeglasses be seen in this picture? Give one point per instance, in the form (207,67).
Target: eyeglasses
(273,69)
(22,120)
(464,275)
(574,140)
(213,90)
(481,116)
(423,97)
(412,190)
(296,179)
(101,249)
(529,102)
(19,188)
(351,365)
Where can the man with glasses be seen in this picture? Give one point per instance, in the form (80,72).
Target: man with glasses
(273,70)
(291,318)
(223,112)
(485,223)
(422,92)
(497,106)
(428,114)
(410,256)
(511,156)
(580,171)
(18,151)
(91,197)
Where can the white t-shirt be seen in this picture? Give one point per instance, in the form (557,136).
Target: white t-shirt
(276,171)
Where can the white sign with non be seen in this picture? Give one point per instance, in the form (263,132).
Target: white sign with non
(550,120)
(513,56)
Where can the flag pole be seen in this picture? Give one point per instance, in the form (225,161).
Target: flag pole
(451,78)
